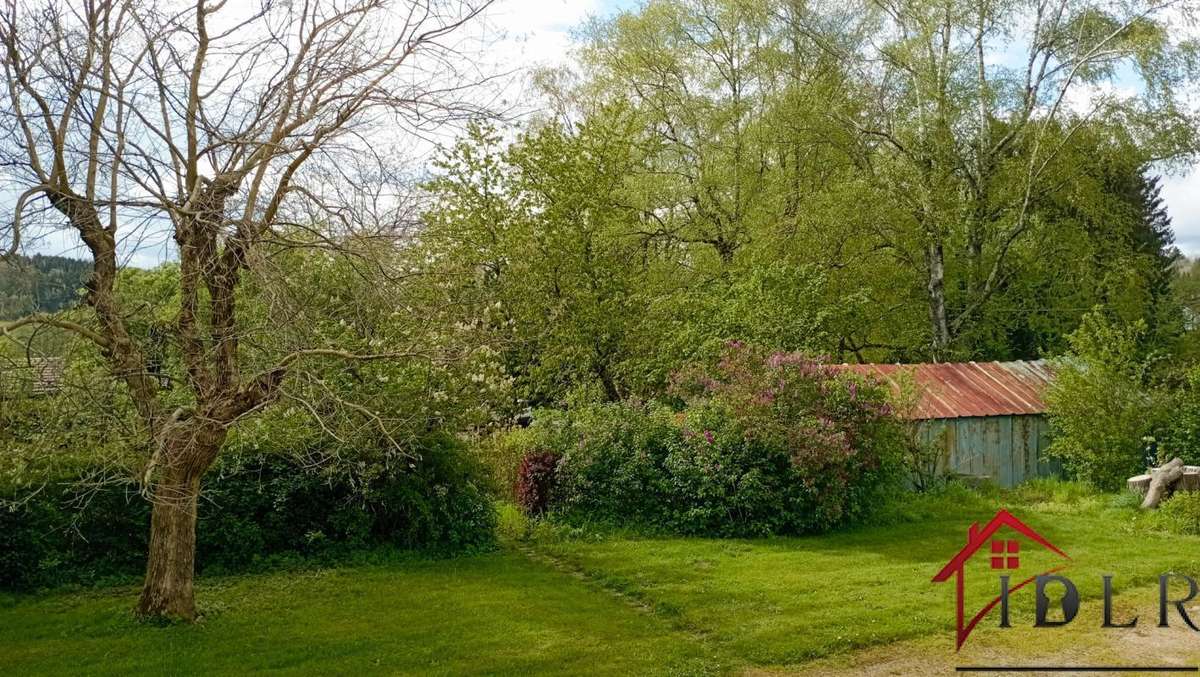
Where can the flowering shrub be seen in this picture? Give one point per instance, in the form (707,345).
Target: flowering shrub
(838,430)
(535,481)
(760,444)
(728,483)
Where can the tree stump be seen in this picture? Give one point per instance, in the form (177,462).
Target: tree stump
(1162,479)
(1139,484)
(1190,480)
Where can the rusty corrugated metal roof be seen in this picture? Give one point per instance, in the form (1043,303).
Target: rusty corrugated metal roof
(959,389)
(38,376)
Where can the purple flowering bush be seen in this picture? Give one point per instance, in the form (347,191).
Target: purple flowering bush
(837,431)
(755,444)
(727,483)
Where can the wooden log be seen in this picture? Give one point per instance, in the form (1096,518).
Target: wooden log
(1161,480)
(1138,484)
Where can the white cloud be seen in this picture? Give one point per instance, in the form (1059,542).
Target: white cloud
(1182,194)
(1085,98)
(545,22)
(526,35)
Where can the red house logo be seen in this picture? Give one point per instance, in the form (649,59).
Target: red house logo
(1004,554)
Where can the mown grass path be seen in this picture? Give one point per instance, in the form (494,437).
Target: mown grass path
(787,601)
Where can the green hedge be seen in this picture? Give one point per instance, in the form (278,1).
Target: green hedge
(254,510)
(644,467)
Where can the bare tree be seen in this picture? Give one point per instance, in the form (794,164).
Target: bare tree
(209,120)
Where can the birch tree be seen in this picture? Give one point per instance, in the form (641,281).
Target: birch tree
(969,104)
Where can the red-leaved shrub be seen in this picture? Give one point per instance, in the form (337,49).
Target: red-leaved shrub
(535,481)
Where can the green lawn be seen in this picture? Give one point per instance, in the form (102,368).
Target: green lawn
(785,601)
(603,605)
(493,614)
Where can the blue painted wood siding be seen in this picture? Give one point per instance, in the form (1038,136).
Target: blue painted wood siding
(1006,449)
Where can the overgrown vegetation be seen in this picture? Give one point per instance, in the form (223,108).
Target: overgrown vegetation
(1179,514)
(760,443)
(1118,405)
(718,202)
(263,509)
(317,477)
(1101,405)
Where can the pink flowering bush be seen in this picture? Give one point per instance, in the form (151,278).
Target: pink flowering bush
(837,431)
(756,444)
(727,483)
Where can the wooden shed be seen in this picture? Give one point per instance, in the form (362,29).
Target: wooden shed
(988,418)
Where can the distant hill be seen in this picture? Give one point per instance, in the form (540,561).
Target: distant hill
(40,283)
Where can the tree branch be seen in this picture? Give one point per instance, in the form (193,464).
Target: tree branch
(343,355)
(50,320)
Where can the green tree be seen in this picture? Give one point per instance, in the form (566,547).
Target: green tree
(1100,236)
(1103,404)
(910,152)
(966,145)
(539,232)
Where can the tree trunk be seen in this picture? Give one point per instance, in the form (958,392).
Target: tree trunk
(611,392)
(1190,480)
(1139,484)
(935,260)
(1162,479)
(170,566)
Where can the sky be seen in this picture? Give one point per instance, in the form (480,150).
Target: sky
(532,33)
(1182,195)
(520,36)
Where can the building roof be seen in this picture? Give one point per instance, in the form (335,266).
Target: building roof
(961,389)
(38,376)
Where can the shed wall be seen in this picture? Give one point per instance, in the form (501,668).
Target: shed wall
(1006,449)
